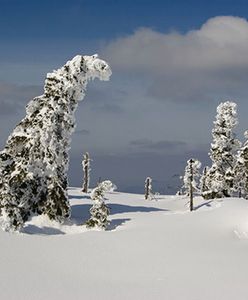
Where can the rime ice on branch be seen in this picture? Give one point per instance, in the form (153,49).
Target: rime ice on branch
(34,162)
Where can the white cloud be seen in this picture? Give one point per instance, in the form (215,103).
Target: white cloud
(199,64)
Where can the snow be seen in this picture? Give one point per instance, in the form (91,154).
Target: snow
(152,250)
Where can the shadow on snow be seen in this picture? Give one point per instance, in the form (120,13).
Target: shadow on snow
(33,229)
(208,204)
(81,197)
(80,214)
(116,223)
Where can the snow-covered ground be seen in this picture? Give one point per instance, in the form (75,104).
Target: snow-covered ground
(152,250)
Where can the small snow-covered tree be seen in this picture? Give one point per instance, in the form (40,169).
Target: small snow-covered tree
(34,162)
(223,152)
(191,176)
(100,211)
(86,169)
(148,188)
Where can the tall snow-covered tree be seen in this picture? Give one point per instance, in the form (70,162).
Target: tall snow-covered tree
(34,162)
(86,169)
(220,176)
(100,211)
(148,188)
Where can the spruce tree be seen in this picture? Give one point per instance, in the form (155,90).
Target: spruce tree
(100,211)
(86,169)
(34,162)
(220,177)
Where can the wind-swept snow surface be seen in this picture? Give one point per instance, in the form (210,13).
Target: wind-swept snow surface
(152,250)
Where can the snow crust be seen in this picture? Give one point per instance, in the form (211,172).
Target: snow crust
(152,250)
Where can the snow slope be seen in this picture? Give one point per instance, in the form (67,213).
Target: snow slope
(152,250)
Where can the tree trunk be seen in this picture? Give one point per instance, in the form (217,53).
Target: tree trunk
(191,187)
(147,184)
(86,166)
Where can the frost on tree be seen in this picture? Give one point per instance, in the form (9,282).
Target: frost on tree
(220,177)
(34,162)
(86,169)
(100,211)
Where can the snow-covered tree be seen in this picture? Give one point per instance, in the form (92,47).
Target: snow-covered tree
(190,179)
(100,211)
(241,169)
(86,169)
(191,176)
(203,179)
(148,188)
(220,176)
(240,177)
(34,162)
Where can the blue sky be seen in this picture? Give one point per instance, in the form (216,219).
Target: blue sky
(107,18)
(172,62)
